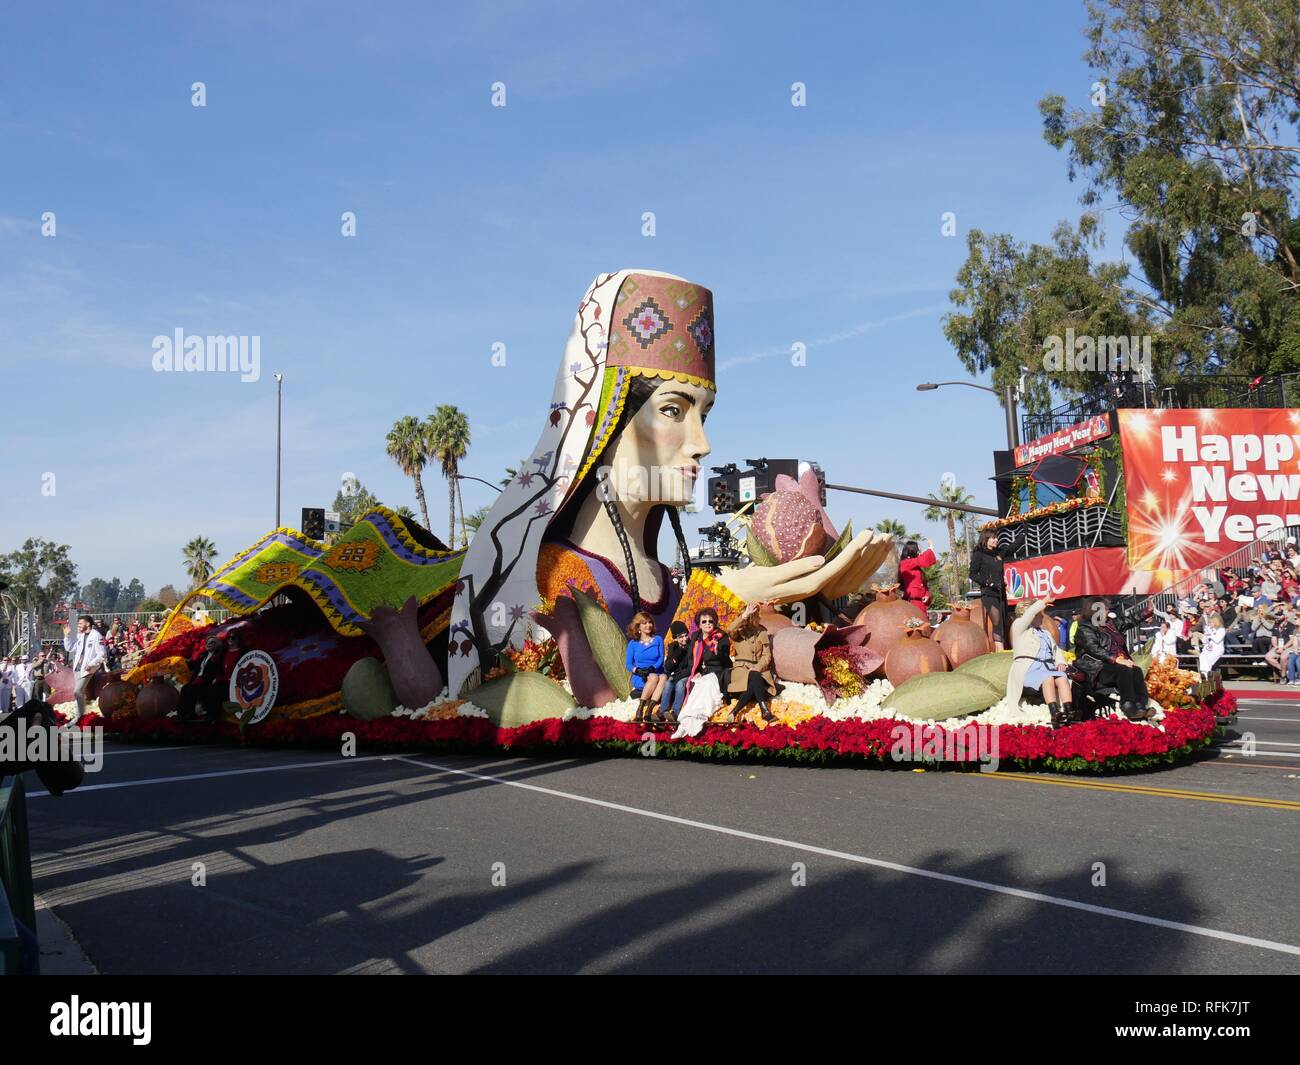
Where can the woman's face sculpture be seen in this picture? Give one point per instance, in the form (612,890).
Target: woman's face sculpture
(656,458)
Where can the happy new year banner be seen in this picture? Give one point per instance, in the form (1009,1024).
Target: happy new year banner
(1201,483)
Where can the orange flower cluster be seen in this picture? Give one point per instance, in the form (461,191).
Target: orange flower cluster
(537,657)
(1170,686)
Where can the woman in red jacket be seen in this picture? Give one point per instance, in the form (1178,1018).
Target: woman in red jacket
(910,575)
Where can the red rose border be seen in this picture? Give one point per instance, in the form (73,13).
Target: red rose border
(1103,746)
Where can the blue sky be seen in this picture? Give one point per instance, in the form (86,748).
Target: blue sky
(478,225)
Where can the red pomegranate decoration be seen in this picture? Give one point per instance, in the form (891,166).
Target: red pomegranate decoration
(913,655)
(117,695)
(960,638)
(156,699)
(789,526)
(886,617)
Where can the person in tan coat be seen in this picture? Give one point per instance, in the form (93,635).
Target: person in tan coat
(752,679)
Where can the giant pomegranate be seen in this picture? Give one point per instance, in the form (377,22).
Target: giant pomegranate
(789,526)
(960,638)
(913,655)
(157,699)
(117,695)
(885,619)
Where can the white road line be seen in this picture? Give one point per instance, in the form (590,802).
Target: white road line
(1261,743)
(207,776)
(1271,754)
(1288,720)
(983,885)
(151,750)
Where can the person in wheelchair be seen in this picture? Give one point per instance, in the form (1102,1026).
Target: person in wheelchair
(1036,662)
(1104,661)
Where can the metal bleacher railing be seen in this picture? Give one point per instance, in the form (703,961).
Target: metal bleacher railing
(17,902)
(1085,527)
(1193,390)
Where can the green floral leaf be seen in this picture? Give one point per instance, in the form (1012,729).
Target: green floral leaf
(758,554)
(839,544)
(608,642)
(522,698)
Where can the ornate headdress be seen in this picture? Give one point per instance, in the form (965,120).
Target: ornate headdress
(633,323)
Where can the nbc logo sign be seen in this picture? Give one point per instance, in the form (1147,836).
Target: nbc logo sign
(1024,582)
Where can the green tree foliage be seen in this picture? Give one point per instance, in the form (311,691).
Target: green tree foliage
(897,529)
(473,521)
(1188,141)
(168,596)
(41,573)
(408,446)
(352,502)
(198,555)
(951,492)
(448,442)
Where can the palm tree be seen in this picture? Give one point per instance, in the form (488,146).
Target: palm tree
(896,529)
(471,522)
(949,492)
(448,441)
(405,512)
(198,555)
(408,447)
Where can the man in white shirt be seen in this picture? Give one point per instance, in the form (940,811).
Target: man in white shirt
(85,656)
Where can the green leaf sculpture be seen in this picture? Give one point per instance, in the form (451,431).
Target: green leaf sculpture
(839,544)
(758,554)
(522,698)
(608,642)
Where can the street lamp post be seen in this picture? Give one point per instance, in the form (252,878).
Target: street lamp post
(279,419)
(1008,396)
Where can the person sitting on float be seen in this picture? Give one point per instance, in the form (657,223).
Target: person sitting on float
(911,573)
(710,651)
(621,449)
(1106,666)
(677,668)
(645,661)
(751,680)
(1037,663)
(207,684)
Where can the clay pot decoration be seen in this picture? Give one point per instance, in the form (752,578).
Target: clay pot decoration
(961,638)
(117,696)
(156,699)
(789,526)
(914,655)
(885,619)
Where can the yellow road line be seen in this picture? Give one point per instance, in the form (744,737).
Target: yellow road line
(1160,793)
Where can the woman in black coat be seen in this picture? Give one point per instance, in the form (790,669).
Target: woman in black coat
(986,571)
(1108,666)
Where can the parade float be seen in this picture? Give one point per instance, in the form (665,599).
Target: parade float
(518,642)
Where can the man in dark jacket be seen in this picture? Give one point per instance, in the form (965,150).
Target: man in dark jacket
(207,685)
(1106,666)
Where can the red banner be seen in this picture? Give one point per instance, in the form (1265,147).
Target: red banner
(1063,440)
(1201,483)
(1088,571)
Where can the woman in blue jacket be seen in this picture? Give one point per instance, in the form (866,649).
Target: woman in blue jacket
(645,661)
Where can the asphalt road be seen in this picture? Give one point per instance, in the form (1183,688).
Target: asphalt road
(321,864)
